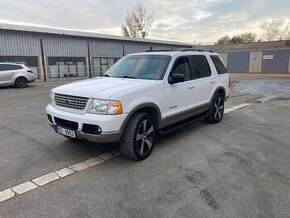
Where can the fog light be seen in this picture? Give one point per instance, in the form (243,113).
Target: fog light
(99,130)
(92,129)
(49,117)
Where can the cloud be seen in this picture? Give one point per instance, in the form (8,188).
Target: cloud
(203,21)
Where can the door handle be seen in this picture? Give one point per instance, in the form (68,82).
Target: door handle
(212,81)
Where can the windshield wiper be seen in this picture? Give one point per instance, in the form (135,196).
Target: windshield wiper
(129,77)
(106,75)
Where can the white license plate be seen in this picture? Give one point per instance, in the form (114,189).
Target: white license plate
(66,132)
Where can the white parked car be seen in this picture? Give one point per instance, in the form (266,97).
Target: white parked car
(15,74)
(141,94)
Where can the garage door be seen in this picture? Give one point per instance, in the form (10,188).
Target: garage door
(275,61)
(238,62)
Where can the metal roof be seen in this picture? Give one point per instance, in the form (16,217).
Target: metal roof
(49,30)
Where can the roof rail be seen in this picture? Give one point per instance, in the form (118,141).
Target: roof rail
(161,50)
(193,49)
(179,49)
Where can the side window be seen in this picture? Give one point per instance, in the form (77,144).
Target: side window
(182,66)
(200,66)
(220,68)
(15,67)
(4,67)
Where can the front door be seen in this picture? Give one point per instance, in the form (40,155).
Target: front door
(179,95)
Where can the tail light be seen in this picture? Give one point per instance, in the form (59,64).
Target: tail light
(29,71)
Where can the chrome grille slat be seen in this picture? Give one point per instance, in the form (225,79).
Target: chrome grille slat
(69,101)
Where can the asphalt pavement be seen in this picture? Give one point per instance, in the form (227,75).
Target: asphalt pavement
(237,168)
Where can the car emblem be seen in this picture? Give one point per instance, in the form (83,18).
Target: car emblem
(67,101)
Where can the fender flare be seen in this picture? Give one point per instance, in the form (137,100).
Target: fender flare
(219,88)
(137,108)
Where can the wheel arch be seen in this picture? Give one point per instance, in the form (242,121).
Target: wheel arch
(150,108)
(221,90)
(19,76)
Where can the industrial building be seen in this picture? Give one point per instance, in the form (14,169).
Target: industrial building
(55,54)
(58,54)
(258,57)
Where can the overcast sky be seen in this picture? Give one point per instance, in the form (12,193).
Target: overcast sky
(200,21)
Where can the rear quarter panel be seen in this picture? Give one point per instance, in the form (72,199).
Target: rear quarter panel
(23,73)
(222,80)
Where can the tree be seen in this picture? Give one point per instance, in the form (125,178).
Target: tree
(224,40)
(137,22)
(246,37)
(236,39)
(275,29)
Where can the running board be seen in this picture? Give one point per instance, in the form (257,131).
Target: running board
(183,124)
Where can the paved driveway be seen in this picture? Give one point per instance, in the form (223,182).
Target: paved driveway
(238,168)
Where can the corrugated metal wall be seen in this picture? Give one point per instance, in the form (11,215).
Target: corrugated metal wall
(131,47)
(106,48)
(58,46)
(16,43)
(19,44)
(275,61)
(238,62)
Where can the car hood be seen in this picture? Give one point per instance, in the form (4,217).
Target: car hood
(100,87)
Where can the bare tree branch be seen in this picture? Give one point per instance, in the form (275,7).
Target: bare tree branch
(137,22)
(276,29)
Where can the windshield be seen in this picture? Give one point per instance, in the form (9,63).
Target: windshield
(151,67)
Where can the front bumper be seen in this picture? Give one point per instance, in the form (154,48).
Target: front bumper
(111,125)
(102,138)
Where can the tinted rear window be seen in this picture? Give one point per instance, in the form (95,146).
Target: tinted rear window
(220,67)
(200,66)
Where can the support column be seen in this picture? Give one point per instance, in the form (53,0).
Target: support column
(89,60)
(123,50)
(40,68)
(224,57)
(43,63)
(255,65)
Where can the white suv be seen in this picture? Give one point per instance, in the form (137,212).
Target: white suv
(140,95)
(15,74)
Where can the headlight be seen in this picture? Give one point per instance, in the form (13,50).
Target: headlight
(99,106)
(52,98)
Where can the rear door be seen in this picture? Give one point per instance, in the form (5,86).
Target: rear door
(203,80)
(6,73)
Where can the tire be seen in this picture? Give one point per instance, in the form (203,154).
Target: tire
(21,82)
(139,136)
(216,109)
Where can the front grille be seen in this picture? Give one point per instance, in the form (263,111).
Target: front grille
(66,123)
(69,101)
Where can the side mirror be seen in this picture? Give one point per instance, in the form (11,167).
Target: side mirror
(176,78)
